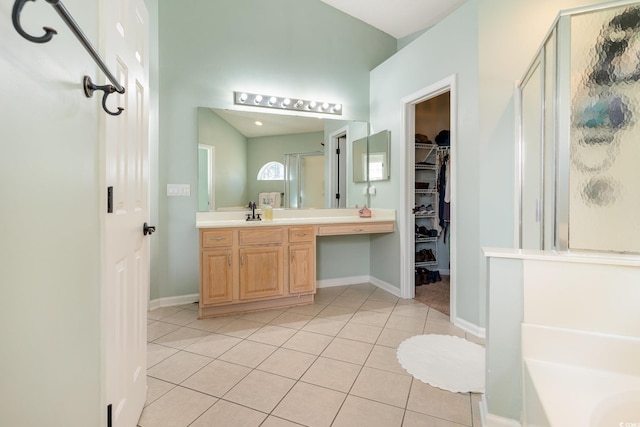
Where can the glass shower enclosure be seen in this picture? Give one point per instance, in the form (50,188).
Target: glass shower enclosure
(304,180)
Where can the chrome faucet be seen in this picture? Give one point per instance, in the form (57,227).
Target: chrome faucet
(252,215)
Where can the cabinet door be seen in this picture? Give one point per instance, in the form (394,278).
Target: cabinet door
(217,276)
(302,268)
(261,272)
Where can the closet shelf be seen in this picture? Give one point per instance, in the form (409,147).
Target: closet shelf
(426,263)
(430,146)
(425,191)
(426,239)
(418,215)
(425,167)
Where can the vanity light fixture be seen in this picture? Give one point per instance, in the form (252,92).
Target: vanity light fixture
(284,103)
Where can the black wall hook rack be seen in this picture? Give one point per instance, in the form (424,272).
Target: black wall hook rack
(88,86)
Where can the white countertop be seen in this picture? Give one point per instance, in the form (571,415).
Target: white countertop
(225,219)
(611,258)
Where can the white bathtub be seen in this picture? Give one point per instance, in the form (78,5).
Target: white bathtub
(578,378)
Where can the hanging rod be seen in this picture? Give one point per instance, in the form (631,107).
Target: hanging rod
(88,86)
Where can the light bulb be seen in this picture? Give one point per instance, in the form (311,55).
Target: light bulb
(272,100)
(243,97)
(312,105)
(286,102)
(299,104)
(337,107)
(324,106)
(258,99)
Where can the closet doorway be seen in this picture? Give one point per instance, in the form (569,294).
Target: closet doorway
(430,196)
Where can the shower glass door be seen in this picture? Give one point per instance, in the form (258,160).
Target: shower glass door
(304,180)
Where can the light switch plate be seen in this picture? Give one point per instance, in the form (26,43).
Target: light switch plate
(178,190)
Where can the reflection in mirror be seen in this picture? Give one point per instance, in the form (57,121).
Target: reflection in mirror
(360,160)
(379,156)
(286,160)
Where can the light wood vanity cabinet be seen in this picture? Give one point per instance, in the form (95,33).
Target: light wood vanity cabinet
(302,260)
(261,272)
(259,267)
(216,266)
(254,268)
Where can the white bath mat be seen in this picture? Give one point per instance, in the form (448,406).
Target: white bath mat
(444,361)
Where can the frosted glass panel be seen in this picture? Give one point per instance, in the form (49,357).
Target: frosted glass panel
(604,174)
(531,160)
(549,144)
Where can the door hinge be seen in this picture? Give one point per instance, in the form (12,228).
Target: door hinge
(337,151)
(337,196)
(109,199)
(109,416)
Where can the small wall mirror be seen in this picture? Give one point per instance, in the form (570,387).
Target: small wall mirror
(360,160)
(371,158)
(379,156)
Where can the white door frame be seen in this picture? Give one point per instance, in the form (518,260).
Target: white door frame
(211,174)
(330,200)
(407,187)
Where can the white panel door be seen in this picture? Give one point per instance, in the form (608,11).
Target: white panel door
(124,43)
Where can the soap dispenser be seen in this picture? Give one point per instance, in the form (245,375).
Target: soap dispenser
(267,212)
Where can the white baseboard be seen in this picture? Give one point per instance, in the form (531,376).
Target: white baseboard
(354,280)
(470,327)
(171,301)
(385,286)
(342,281)
(496,421)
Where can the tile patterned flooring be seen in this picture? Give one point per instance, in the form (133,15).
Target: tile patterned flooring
(332,363)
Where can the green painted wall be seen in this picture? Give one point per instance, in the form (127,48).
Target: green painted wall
(211,48)
(50,252)
(447,48)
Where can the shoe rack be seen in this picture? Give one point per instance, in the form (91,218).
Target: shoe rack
(425,209)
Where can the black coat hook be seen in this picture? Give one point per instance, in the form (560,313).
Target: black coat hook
(15,17)
(90,87)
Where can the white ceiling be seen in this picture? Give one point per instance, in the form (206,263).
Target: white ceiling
(272,124)
(398,18)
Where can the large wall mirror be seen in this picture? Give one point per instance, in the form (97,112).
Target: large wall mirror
(283,160)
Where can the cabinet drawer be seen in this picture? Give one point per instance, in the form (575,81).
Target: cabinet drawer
(255,236)
(216,238)
(340,229)
(300,234)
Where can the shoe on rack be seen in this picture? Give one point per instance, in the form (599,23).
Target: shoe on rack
(430,257)
(429,210)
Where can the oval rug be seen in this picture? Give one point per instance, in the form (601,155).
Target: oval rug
(444,361)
